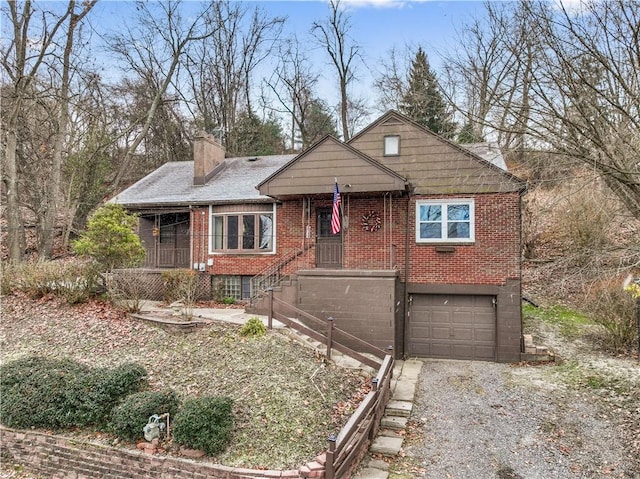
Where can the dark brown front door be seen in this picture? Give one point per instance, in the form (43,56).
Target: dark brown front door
(328,245)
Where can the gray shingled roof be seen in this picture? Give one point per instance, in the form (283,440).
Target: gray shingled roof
(172,184)
(487,151)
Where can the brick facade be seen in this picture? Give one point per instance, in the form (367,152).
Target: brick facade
(492,259)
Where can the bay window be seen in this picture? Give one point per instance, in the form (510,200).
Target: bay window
(244,231)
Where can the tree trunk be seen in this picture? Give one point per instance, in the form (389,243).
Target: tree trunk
(15,227)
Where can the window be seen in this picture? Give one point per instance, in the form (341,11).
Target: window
(246,232)
(391,145)
(445,221)
(236,287)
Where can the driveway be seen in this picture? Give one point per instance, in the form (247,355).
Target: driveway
(485,420)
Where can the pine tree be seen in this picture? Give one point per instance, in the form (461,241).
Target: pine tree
(422,102)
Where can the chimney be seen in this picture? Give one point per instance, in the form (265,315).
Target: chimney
(208,158)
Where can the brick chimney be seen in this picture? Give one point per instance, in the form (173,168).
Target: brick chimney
(208,158)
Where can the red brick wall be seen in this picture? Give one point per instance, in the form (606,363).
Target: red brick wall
(491,259)
(62,458)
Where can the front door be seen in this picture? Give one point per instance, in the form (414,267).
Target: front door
(328,245)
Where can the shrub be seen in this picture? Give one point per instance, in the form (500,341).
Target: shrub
(204,423)
(59,393)
(72,281)
(129,418)
(125,286)
(183,285)
(95,394)
(34,391)
(615,310)
(253,327)
(229,300)
(110,238)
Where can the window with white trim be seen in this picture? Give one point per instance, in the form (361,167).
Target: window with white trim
(442,221)
(391,145)
(245,232)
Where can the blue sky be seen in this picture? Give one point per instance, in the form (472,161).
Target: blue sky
(376,26)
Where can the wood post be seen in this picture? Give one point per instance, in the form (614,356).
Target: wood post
(329,337)
(270,318)
(329,466)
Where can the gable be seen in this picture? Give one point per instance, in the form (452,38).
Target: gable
(433,165)
(315,170)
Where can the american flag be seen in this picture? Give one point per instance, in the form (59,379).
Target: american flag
(335,214)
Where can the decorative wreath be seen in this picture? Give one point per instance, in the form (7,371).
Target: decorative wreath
(371,221)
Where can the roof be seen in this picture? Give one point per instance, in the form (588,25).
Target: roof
(488,151)
(172,183)
(314,171)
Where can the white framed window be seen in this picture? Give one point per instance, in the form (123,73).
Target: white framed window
(445,221)
(391,145)
(242,232)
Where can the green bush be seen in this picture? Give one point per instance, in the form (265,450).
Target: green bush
(110,238)
(253,327)
(129,418)
(60,393)
(204,423)
(229,300)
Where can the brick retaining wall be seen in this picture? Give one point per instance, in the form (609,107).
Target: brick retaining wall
(59,457)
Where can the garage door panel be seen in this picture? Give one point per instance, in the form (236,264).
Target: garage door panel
(440,332)
(452,326)
(484,336)
(463,334)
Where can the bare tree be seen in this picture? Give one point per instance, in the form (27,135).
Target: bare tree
(54,188)
(219,68)
(333,36)
(293,83)
(153,51)
(390,81)
(586,90)
(22,60)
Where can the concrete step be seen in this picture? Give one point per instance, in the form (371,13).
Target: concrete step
(394,422)
(385,445)
(371,473)
(399,408)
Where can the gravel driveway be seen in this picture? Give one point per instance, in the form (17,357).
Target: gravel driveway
(486,420)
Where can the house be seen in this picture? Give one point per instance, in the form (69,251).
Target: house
(426,260)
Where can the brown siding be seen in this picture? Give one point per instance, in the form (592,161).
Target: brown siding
(314,173)
(432,165)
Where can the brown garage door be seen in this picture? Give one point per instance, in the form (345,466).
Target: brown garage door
(452,326)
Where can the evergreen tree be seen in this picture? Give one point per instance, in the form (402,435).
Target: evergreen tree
(468,135)
(252,136)
(318,123)
(422,101)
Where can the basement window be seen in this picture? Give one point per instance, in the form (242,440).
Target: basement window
(445,221)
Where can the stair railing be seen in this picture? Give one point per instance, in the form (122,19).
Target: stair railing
(273,274)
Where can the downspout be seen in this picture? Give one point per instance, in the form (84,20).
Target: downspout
(406,280)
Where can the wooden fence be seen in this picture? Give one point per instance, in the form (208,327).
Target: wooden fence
(347,449)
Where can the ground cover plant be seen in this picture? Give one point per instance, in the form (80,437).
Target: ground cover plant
(61,393)
(284,395)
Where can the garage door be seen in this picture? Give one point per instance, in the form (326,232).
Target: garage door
(452,326)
